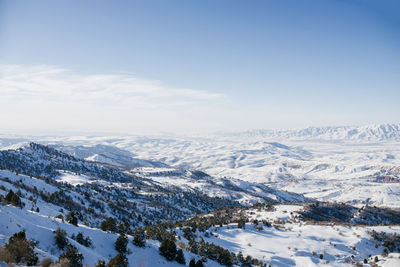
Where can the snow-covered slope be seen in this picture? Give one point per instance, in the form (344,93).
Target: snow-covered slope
(39,227)
(108,154)
(327,170)
(292,243)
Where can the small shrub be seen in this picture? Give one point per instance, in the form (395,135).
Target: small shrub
(46,262)
(118,261)
(101,263)
(61,263)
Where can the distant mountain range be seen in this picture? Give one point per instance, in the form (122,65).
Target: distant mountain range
(372,132)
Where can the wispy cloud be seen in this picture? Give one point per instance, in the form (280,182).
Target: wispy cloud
(59,84)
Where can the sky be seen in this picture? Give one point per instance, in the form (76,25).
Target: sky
(197,66)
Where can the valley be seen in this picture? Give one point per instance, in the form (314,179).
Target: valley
(232,199)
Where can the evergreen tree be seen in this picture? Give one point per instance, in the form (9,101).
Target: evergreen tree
(13,199)
(86,241)
(242,223)
(73,256)
(225,258)
(9,196)
(109,225)
(139,238)
(240,257)
(121,244)
(168,249)
(71,218)
(79,238)
(192,263)
(61,238)
(180,258)
(123,227)
(16,201)
(118,261)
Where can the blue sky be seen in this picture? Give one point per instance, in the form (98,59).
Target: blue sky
(150,66)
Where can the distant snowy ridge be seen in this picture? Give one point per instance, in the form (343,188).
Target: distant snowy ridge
(363,133)
(107,154)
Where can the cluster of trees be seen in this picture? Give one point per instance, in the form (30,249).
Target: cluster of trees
(19,250)
(212,251)
(81,239)
(71,254)
(248,260)
(223,217)
(325,212)
(170,252)
(165,233)
(13,199)
(390,241)
(121,245)
(110,224)
(71,218)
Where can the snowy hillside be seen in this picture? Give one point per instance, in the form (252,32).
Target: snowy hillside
(356,171)
(43,189)
(263,235)
(345,171)
(108,154)
(39,219)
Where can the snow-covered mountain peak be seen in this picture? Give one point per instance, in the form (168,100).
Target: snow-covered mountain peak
(373,132)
